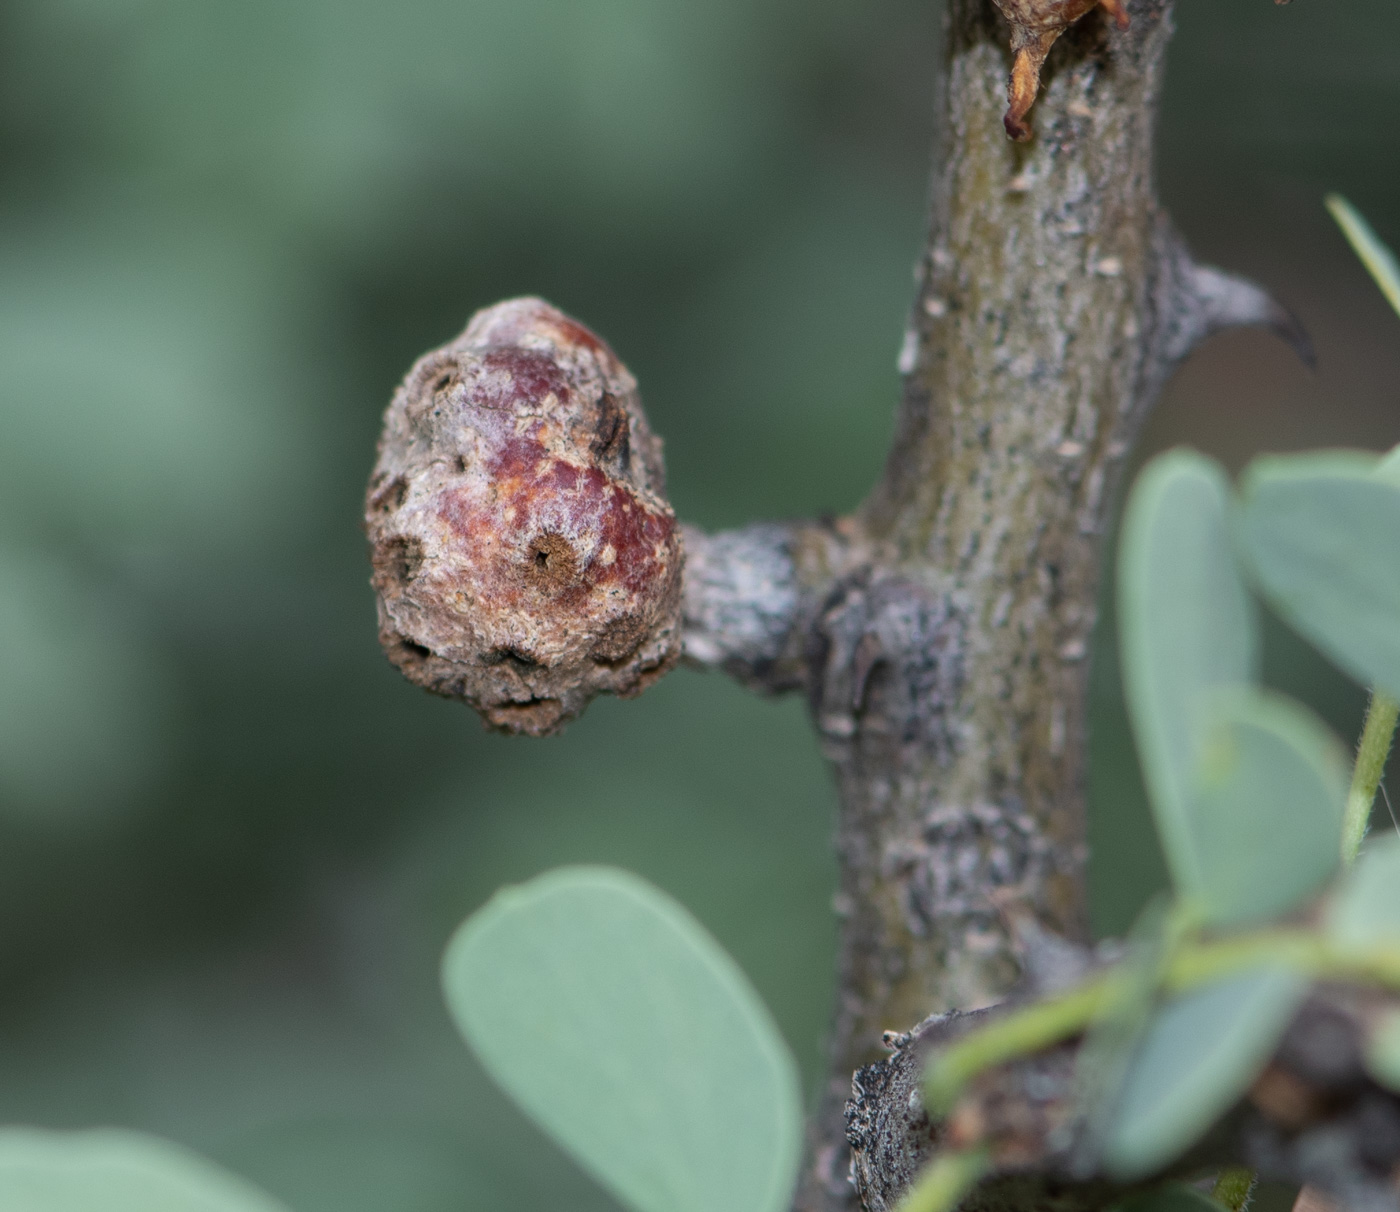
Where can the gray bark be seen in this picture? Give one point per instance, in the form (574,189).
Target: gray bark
(1314,1116)
(941,634)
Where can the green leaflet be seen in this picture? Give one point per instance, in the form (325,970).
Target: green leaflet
(109,1170)
(629,1035)
(1117,1029)
(1199,1056)
(1266,810)
(1187,630)
(1247,789)
(1365,910)
(1322,535)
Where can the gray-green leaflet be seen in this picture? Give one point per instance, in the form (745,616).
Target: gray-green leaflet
(112,1170)
(1247,787)
(627,1033)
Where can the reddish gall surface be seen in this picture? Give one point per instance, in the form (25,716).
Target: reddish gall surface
(525,558)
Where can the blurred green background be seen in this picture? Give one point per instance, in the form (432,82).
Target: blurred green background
(232,839)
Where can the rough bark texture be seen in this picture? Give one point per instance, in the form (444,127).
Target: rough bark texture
(1314,1115)
(1039,333)
(1035,335)
(942,633)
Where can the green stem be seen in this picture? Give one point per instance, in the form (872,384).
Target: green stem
(1041,1025)
(1371,754)
(1301,950)
(945,1181)
(1234,1186)
(1375,256)
(1036,1027)
(1305,952)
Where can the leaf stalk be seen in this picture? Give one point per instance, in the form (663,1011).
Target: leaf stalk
(1371,754)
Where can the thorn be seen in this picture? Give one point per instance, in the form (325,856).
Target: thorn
(1230,301)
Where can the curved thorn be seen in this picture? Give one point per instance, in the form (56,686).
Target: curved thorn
(1229,301)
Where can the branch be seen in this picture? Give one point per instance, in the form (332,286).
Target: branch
(752,596)
(526,558)
(1313,1116)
